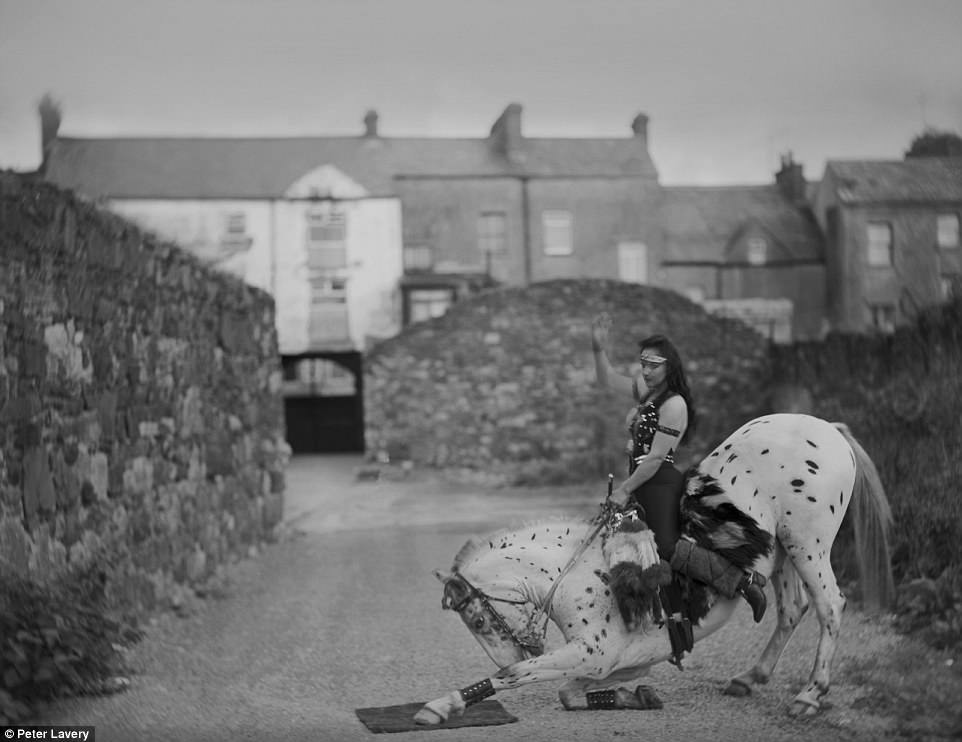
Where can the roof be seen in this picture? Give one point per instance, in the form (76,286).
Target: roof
(258,168)
(700,223)
(921,179)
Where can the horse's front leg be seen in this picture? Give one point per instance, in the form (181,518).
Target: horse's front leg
(574,659)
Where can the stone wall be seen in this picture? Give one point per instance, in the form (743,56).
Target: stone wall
(141,422)
(502,386)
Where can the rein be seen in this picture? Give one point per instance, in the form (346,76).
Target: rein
(530,639)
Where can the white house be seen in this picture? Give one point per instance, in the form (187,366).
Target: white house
(314,221)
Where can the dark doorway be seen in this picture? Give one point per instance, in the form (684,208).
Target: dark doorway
(324,402)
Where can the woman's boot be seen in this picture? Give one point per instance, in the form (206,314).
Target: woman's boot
(713,569)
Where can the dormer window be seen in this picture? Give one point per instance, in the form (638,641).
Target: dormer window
(757,250)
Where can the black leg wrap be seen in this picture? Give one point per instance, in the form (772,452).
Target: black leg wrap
(601,699)
(477,692)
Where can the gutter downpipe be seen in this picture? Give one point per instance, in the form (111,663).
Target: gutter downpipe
(526,228)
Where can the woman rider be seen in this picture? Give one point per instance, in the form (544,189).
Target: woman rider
(663,418)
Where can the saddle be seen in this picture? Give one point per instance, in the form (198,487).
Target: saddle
(646,589)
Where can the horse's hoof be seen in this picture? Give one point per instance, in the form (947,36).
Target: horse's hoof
(647,697)
(737,688)
(427,717)
(568,700)
(803,708)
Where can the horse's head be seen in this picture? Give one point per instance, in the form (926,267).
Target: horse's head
(502,621)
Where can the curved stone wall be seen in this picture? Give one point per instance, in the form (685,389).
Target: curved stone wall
(141,421)
(502,385)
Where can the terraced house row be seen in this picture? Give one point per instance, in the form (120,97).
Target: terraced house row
(355,236)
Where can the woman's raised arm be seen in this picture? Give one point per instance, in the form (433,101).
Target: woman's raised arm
(604,372)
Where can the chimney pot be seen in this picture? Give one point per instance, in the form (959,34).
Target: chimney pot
(370,123)
(50,118)
(790,179)
(639,126)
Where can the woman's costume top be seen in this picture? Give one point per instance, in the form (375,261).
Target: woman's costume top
(643,423)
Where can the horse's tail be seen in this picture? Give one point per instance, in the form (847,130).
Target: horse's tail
(871,518)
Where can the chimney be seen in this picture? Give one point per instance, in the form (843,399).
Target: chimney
(370,124)
(791,180)
(639,127)
(506,133)
(50,117)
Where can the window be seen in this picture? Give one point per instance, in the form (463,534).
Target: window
(633,262)
(492,236)
(429,303)
(556,226)
(879,244)
(328,289)
(326,240)
(418,258)
(947,230)
(237,223)
(757,250)
(883,317)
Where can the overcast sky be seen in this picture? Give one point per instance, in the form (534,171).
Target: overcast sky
(728,85)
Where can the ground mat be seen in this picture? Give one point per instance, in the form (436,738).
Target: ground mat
(401,718)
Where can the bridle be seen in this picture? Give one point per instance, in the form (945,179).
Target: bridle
(530,638)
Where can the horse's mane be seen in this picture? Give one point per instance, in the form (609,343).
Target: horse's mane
(475,545)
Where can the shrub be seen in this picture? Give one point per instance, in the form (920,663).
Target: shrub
(57,639)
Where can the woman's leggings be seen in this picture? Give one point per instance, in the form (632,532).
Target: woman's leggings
(660,496)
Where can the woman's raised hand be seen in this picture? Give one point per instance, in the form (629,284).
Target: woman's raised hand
(600,326)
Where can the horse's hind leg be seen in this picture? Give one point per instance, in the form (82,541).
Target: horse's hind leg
(815,569)
(791,602)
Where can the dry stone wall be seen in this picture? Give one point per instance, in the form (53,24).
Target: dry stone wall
(502,386)
(141,422)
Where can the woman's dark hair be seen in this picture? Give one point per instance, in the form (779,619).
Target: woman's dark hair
(674,375)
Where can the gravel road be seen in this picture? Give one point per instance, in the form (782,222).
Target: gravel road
(344,613)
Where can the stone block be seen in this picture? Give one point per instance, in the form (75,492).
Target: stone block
(273,510)
(15,545)
(38,491)
(100,475)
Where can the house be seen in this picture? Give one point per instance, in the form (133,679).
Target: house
(515,210)
(754,253)
(284,215)
(892,238)
(356,236)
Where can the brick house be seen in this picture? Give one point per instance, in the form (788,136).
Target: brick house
(892,235)
(751,252)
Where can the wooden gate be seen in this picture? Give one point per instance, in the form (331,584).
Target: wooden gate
(324,402)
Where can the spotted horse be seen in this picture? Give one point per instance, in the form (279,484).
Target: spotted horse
(794,475)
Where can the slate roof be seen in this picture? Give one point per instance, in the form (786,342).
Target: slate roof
(921,179)
(700,222)
(188,168)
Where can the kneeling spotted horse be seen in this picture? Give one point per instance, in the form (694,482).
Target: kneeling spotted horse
(794,475)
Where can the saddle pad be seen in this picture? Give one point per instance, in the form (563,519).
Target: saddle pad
(388,719)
